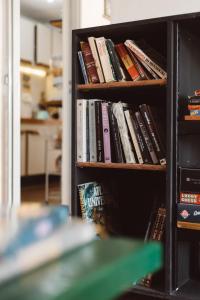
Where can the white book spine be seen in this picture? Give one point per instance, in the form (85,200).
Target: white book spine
(92,43)
(92,131)
(133,136)
(157,69)
(123,130)
(105,59)
(81,130)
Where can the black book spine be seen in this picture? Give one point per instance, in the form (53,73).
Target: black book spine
(99,132)
(115,136)
(114,59)
(141,142)
(87,132)
(146,137)
(153,132)
(194,101)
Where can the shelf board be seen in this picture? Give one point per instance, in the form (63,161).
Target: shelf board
(142,290)
(122,84)
(54,103)
(121,166)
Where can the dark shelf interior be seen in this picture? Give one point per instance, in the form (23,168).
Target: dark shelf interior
(189,127)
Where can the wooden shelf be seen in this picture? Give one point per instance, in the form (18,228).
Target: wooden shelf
(122,84)
(54,103)
(55,122)
(121,166)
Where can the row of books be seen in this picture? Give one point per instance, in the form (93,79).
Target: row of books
(193,107)
(103,61)
(189,200)
(96,200)
(115,132)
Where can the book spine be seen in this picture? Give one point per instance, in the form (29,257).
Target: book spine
(139,67)
(194,107)
(106,133)
(143,148)
(190,198)
(93,47)
(188,213)
(99,131)
(89,62)
(151,72)
(133,136)
(129,65)
(192,118)
(92,131)
(115,61)
(115,136)
(81,131)
(105,59)
(151,126)
(146,137)
(156,68)
(82,65)
(195,112)
(87,132)
(119,114)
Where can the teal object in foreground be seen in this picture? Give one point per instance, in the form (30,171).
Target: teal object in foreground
(100,270)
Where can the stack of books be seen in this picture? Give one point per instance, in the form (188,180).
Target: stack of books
(193,107)
(103,61)
(189,202)
(114,132)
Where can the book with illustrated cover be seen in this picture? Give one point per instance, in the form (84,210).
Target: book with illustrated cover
(94,197)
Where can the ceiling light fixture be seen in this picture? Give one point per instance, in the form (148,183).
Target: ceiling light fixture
(50,1)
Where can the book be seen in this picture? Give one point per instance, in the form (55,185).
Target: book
(142,56)
(128,63)
(197,92)
(138,65)
(193,100)
(133,135)
(99,132)
(118,151)
(92,131)
(194,106)
(89,62)
(115,61)
(106,132)
(93,198)
(82,65)
(146,137)
(156,234)
(143,148)
(191,118)
(81,131)
(87,132)
(123,130)
(153,131)
(190,198)
(105,59)
(92,43)
(194,112)
(188,213)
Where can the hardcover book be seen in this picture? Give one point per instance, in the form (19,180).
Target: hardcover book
(89,62)
(106,132)
(92,43)
(188,213)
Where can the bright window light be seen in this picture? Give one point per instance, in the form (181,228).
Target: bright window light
(33,71)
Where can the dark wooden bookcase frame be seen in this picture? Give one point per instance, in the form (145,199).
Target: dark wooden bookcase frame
(178,38)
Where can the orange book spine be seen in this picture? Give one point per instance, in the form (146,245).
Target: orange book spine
(127,61)
(192,118)
(192,107)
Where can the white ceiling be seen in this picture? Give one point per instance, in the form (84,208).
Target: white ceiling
(41,10)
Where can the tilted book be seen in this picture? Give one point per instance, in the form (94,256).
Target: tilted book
(105,59)
(92,131)
(82,65)
(146,137)
(99,132)
(126,143)
(89,62)
(139,67)
(81,130)
(92,43)
(106,132)
(153,131)
(156,68)
(133,135)
(128,63)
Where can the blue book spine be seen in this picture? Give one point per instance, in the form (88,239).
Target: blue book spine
(195,112)
(83,69)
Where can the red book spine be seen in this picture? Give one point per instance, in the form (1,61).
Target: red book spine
(89,62)
(106,132)
(128,63)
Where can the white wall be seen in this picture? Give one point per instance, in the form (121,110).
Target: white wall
(130,10)
(92,13)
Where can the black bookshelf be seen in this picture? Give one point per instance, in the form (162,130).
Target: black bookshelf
(178,39)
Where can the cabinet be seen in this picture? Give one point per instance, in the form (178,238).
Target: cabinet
(178,39)
(43,44)
(27,40)
(56,43)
